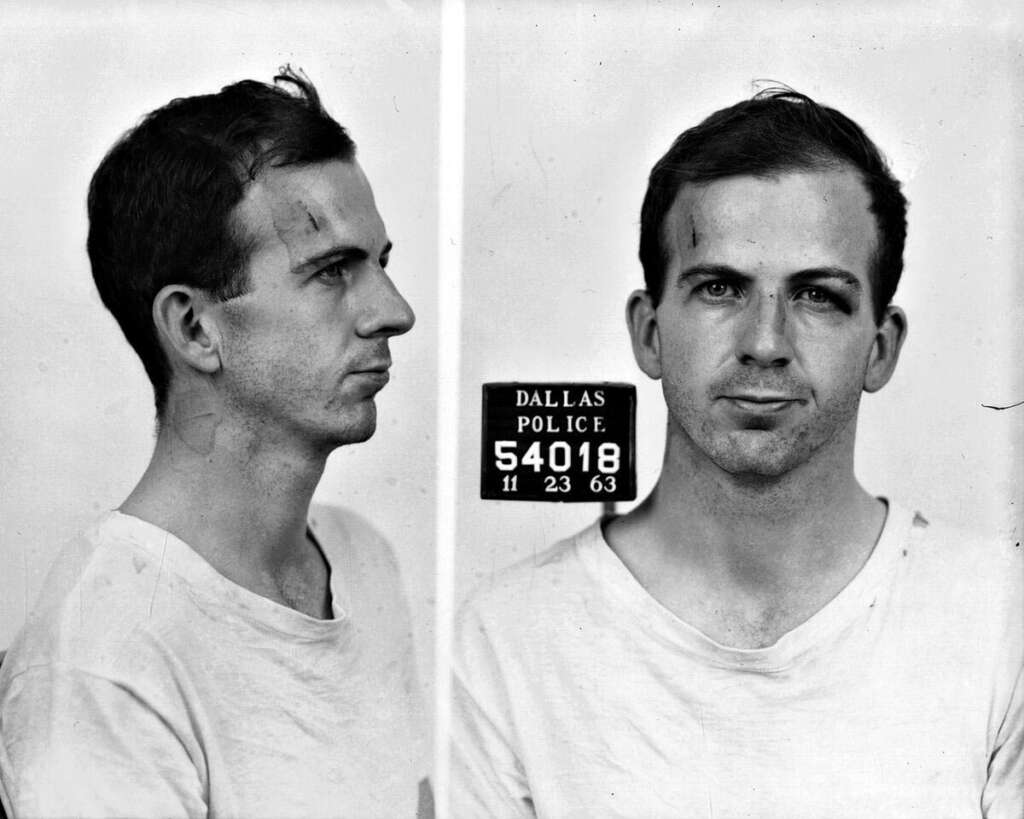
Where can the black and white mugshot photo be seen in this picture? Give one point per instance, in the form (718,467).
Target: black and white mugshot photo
(442,408)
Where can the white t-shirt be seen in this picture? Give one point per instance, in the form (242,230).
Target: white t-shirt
(148,684)
(578,695)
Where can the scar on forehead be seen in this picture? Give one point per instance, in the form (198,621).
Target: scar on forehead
(312,219)
(694,238)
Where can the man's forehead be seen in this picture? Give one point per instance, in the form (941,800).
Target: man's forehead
(309,208)
(790,214)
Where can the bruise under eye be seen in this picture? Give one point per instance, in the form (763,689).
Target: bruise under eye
(824,297)
(817,294)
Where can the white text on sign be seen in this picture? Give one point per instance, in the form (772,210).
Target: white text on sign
(552,399)
(553,423)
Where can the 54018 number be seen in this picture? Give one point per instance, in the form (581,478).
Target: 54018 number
(559,457)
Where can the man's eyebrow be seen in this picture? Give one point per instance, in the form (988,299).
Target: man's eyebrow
(810,274)
(709,271)
(816,274)
(337,252)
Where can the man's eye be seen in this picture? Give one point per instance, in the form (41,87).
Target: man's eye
(818,297)
(717,290)
(333,271)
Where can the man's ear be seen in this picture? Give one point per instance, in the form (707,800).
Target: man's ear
(885,351)
(643,332)
(186,326)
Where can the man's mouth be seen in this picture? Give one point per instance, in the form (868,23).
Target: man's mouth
(762,403)
(376,373)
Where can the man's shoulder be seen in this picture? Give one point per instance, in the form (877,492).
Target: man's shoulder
(115,562)
(967,556)
(969,581)
(105,605)
(557,577)
(952,610)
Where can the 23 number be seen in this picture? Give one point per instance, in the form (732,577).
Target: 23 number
(557,483)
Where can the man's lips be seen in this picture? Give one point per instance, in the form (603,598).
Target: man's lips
(377,372)
(762,402)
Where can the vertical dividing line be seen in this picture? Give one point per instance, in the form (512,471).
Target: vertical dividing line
(451,140)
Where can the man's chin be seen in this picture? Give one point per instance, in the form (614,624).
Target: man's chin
(355,427)
(359,435)
(755,454)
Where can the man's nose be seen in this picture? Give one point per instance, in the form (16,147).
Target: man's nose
(383,312)
(763,335)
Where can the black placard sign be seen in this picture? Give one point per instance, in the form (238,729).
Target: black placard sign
(558,442)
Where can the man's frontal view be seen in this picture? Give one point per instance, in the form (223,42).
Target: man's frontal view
(761,636)
(217,646)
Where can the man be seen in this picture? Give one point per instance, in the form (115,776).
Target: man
(215,647)
(760,637)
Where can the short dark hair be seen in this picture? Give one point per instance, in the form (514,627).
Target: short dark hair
(161,202)
(777,130)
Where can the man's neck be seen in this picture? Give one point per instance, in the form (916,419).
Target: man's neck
(240,499)
(743,558)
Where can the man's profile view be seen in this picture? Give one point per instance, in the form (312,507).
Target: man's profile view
(761,636)
(216,646)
